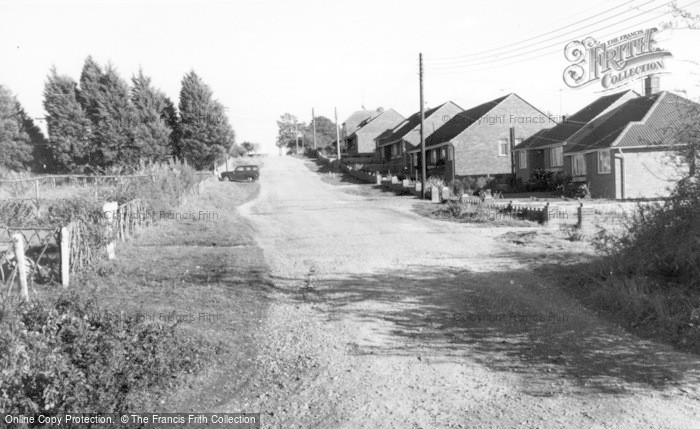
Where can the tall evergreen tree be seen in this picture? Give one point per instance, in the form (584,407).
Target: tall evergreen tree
(15,148)
(105,97)
(41,156)
(172,120)
(207,135)
(68,125)
(91,92)
(151,133)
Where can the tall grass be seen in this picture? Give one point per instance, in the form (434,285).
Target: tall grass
(649,274)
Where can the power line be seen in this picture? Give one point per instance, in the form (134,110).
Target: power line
(447,59)
(448,67)
(468,68)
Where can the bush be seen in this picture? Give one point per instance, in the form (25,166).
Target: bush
(577,190)
(69,356)
(650,272)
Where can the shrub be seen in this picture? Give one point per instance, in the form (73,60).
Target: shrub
(68,356)
(577,190)
(649,273)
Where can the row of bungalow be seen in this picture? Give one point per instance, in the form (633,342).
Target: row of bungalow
(621,145)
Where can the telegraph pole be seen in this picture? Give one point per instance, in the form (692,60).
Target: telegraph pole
(422,133)
(313,121)
(337,132)
(296,137)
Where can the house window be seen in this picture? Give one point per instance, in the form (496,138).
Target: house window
(522,159)
(556,156)
(433,157)
(415,159)
(603,161)
(579,164)
(503,147)
(395,150)
(443,153)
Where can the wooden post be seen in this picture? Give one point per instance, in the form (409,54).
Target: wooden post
(434,194)
(36,189)
(109,210)
(65,256)
(18,240)
(512,156)
(580,215)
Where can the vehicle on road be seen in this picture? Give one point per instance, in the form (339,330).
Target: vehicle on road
(242,173)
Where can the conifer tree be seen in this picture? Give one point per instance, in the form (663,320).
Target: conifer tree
(172,120)
(41,156)
(207,135)
(68,125)
(151,133)
(15,150)
(106,99)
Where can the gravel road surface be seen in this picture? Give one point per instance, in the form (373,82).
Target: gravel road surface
(383,318)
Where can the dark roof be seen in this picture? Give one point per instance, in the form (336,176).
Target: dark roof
(462,121)
(673,119)
(604,133)
(354,121)
(371,119)
(565,129)
(406,126)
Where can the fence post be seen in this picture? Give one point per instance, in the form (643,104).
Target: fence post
(65,256)
(545,214)
(580,215)
(36,189)
(18,241)
(109,210)
(434,194)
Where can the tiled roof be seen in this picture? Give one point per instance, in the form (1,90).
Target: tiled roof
(406,126)
(669,116)
(462,121)
(638,122)
(371,119)
(564,130)
(352,123)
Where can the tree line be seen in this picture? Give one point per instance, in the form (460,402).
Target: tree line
(102,123)
(292,132)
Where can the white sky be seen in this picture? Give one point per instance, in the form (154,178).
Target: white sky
(267,57)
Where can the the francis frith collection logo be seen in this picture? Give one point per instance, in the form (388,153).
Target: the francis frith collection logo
(614,62)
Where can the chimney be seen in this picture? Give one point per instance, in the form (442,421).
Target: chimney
(651,85)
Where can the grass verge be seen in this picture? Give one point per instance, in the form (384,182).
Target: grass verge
(200,276)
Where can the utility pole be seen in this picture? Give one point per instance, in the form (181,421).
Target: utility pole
(512,156)
(313,121)
(422,133)
(296,137)
(337,132)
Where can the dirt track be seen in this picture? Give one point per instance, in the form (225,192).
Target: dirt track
(384,318)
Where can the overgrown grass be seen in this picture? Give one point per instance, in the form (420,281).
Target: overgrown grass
(67,354)
(160,323)
(472,214)
(648,276)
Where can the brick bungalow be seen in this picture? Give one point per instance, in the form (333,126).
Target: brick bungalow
(543,150)
(393,145)
(476,142)
(630,154)
(362,140)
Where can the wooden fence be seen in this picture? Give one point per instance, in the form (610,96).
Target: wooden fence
(53,253)
(33,250)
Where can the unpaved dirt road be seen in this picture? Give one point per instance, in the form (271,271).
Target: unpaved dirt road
(384,318)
